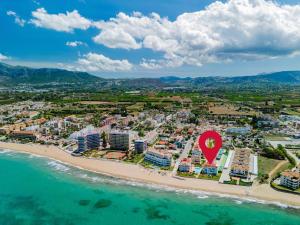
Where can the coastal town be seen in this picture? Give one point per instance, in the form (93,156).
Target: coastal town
(258,148)
(162,112)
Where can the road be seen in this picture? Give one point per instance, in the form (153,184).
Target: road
(225,173)
(183,155)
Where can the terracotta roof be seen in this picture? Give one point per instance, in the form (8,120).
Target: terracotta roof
(292,175)
(23,132)
(206,164)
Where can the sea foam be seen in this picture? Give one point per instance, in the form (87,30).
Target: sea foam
(58,166)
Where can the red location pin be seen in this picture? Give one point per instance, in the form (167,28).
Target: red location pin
(210,153)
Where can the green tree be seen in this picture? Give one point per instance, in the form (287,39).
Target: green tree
(141,133)
(104,139)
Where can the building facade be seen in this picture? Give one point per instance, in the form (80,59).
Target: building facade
(140,146)
(209,169)
(290,180)
(88,142)
(119,140)
(159,158)
(240,164)
(23,135)
(185,165)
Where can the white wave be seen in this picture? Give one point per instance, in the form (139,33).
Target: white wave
(202,196)
(32,156)
(5,151)
(58,166)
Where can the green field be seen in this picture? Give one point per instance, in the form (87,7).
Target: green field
(265,165)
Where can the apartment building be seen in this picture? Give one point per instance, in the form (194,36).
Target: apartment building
(185,165)
(158,157)
(23,135)
(140,146)
(240,164)
(119,140)
(88,142)
(290,179)
(210,169)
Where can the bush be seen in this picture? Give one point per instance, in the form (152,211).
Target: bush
(275,153)
(263,178)
(176,156)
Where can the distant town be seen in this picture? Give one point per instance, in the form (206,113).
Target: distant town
(159,132)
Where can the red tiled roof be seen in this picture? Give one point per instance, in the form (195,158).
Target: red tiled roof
(206,164)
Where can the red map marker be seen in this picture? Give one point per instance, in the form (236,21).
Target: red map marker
(210,153)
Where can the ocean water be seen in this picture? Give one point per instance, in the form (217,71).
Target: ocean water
(36,191)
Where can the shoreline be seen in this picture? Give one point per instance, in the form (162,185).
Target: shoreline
(137,173)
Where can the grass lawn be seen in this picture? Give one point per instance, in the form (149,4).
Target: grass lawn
(185,174)
(149,165)
(146,164)
(136,158)
(285,166)
(275,138)
(94,153)
(286,189)
(209,177)
(266,165)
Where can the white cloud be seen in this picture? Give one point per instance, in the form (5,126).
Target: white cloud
(18,20)
(3,57)
(236,29)
(75,43)
(93,62)
(114,38)
(60,22)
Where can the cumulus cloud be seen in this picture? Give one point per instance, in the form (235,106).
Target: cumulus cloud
(3,57)
(93,62)
(60,22)
(75,43)
(18,20)
(236,29)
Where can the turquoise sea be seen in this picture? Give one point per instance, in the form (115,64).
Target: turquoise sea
(37,191)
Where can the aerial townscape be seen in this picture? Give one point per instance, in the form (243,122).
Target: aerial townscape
(156,131)
(161,112)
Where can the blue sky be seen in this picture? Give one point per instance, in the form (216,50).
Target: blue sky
(137,38)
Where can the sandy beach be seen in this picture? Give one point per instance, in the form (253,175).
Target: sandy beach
(138,173)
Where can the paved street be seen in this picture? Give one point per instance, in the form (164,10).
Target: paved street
(226,170)
(183,155)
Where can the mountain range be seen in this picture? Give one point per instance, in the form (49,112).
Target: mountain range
(12,75)
(20,75)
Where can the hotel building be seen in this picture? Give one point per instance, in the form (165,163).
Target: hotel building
(88,142)
(159,158)
(119,140)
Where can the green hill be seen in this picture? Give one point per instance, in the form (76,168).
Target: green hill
(12,75)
